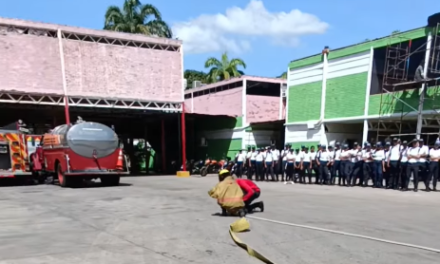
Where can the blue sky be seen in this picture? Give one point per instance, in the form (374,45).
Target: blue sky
(257,37)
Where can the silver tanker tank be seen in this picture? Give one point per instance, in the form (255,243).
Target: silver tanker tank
(87,138)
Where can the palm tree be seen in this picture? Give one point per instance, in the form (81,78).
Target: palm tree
(136,18)
(223,69)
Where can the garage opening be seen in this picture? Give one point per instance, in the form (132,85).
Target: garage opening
(345,133)
(265,134)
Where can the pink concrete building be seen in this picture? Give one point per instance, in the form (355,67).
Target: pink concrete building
(40,63)
(256,103)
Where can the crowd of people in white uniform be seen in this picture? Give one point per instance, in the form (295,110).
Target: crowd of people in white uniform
(391,165)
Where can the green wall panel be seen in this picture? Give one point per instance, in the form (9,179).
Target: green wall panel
(345,96)
(220,148)
(361,47)
(297,145)
(391,105)
(304,102)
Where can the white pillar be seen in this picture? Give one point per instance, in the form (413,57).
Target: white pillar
(323,140)
(243,113)
(367,96)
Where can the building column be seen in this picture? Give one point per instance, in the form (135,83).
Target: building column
(367,96)
(244,122)
(323,140)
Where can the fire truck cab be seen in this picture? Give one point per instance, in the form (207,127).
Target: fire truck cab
(14,161)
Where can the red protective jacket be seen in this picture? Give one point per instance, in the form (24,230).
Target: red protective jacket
(248,188)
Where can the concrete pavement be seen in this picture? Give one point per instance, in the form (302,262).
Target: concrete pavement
(169,220)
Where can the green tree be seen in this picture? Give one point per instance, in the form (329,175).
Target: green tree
(223,69)
(193,75)
(135,17)
(283,76)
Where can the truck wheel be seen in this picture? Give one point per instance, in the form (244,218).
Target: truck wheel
(203,171)
(62,179)
(110,180)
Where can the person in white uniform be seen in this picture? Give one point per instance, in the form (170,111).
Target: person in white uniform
(434,159)
(323,162)
(331,152)
(403,165)
(336,163)
(276,161)
(393,163)
(305,166)
(284,153)
(259,162)
(413,165)
(423,163)
(269,165)
(240,159)
(290,166)
(379,165)
(368,164)
(253,164)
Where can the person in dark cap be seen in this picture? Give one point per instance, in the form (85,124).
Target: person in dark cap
(331,152)
(336,163)
(269,165)
(297,167)
(379,165)
(434,158)
(315,168)
(323,162)
(284,153)
(306,166)
(403,165)
(247,164)
(413,165)
(349,166)
(253,164)
(367,165)
(358,167)
(318,168)
(276,161)
(423,163)
(345,159)
(290,167)
(259,161)
(393,164)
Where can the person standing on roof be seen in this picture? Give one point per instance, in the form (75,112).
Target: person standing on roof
(251,193)
(434,158)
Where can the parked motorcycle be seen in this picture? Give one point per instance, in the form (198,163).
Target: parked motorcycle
(211,166)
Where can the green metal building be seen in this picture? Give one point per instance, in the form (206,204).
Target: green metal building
(365,92)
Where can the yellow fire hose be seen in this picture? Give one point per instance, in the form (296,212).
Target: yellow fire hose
(242,225)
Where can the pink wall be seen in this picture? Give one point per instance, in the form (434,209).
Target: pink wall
(221,103)
(97,69)
(31,64)
(262,108)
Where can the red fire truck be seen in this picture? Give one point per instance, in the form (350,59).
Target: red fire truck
(72,153)
(14,162)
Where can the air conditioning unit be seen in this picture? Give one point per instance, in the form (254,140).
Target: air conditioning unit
(203,142)
(284,90)
(197,84)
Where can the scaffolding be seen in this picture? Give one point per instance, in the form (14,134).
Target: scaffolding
(396,81)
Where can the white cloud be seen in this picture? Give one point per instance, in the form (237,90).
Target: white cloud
(233,30)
